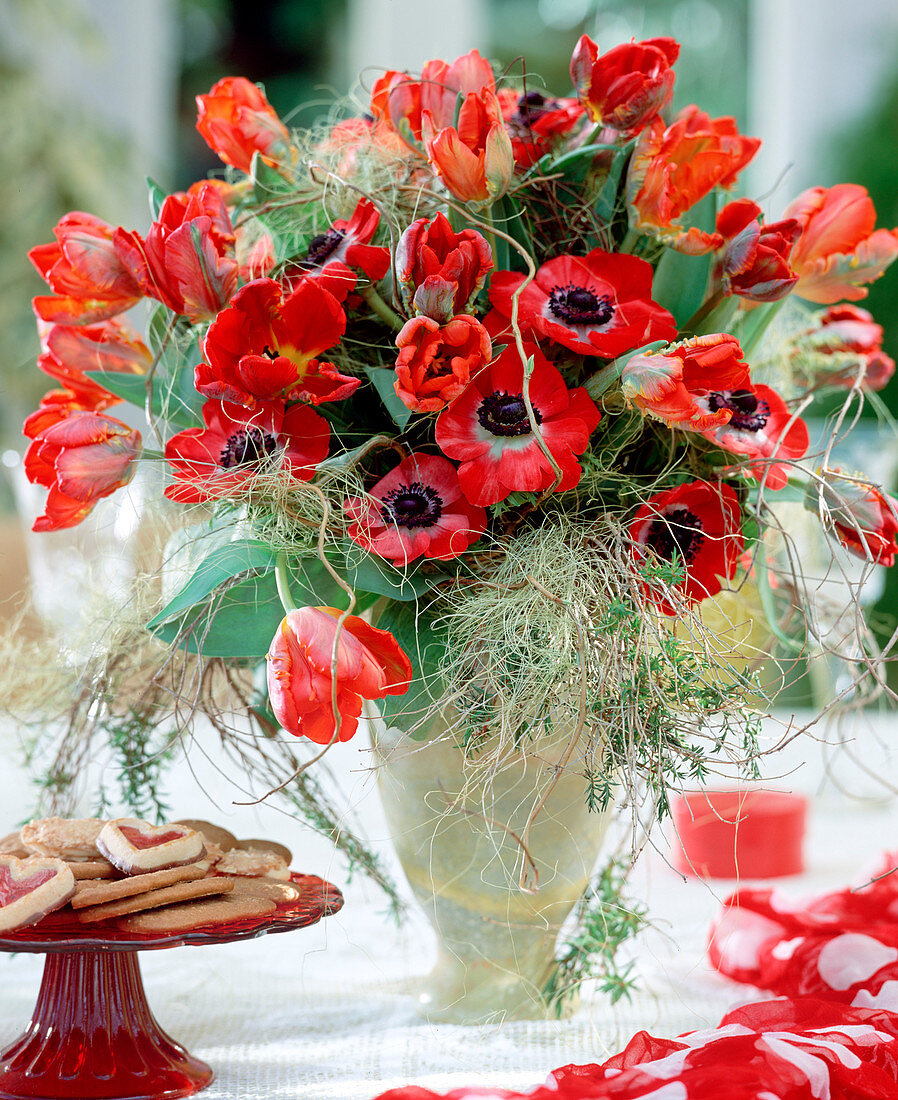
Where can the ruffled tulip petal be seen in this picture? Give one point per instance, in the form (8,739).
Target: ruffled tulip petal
(838,250)
(80,456)
(303,665)
(236,120)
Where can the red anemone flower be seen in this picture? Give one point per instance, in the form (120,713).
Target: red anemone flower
(755,262)
(597,304)
(761,428)
(238,444)
(501,332)
(332,258)
(236,120)
(864,519)
(473,158)
(81,457)
(674,385)
(89,280)
(436,362)
(431,255)
(697,526)
(843,345)
(488,430)
(187,260)
(840,247)
(627,86)
(674,167)
(302,668)
(266,346)
(417,510)
(535,122)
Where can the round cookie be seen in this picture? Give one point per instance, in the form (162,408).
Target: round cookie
(282,893)
(155,899)
(68,838)
(215,834)
(253,862)
(11,845)
(267,846)
(86,870)
(197,914)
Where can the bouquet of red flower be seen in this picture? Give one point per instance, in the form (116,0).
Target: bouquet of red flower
(481,402)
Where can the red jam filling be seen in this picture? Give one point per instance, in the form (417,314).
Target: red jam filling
(140,840)
(12,889)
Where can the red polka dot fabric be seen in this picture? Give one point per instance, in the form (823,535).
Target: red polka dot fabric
(830,1034)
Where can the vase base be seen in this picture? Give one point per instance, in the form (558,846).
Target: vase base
(483,993)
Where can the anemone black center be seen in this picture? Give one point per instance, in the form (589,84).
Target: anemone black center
(679,532)
(578,305)
(323,246)
(413,505)
(531,106)
(247,446)
(749,412)
(505,414)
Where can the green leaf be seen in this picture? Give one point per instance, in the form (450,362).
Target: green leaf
(267,182)
(239,622)
(681,281)
(502,215)
(382,378)
(129,387)
(174,396)
(156,196)
(512,222)
(368,573)
(239,619)
(160,329)
(419,634)
(224,562)
(576,165)
(762,576)
(364,572)
(181,412)
(752,326)
(606,204)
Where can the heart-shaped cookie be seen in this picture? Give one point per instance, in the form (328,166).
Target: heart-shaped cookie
(31,888)
(136,846)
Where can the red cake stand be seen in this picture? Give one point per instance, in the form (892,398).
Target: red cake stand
(92,1034)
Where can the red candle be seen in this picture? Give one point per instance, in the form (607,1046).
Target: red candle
(739,833)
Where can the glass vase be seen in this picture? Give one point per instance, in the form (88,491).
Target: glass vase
(495,891)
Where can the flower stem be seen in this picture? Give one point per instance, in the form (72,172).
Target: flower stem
(629,241)
(377,305)
(703,311)
(486,216)
(282,579)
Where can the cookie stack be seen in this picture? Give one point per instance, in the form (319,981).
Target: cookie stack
(138,877)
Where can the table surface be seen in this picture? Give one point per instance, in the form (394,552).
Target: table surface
(326,1013)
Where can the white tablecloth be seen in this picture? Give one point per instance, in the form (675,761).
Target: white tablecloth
(326,1013)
